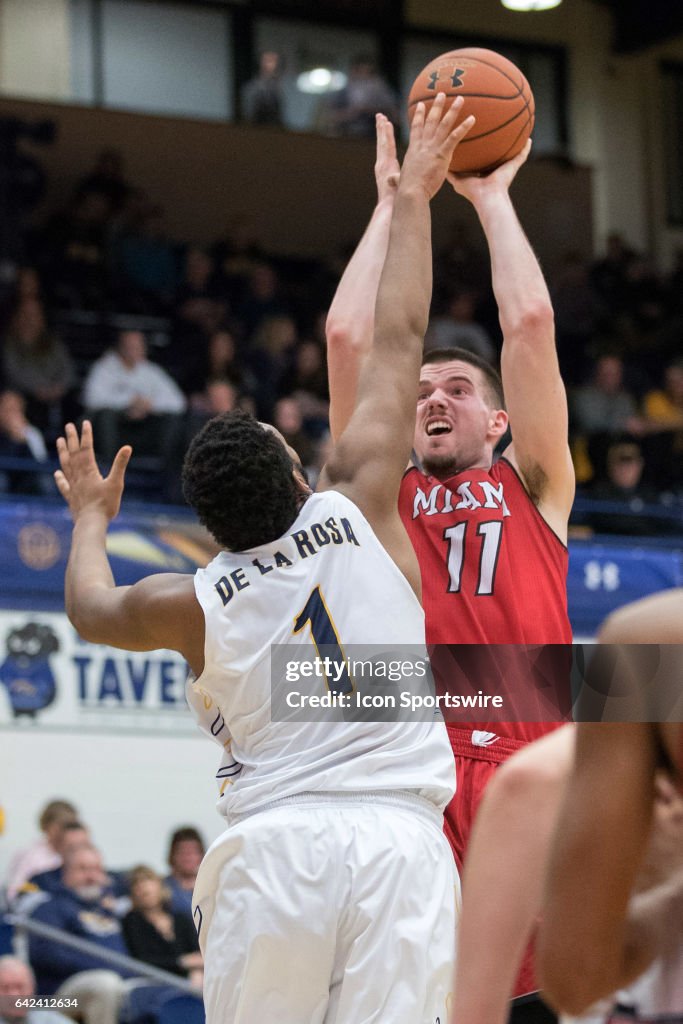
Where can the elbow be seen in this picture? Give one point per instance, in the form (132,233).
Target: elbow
(340,334)
(534,317)
(571,985)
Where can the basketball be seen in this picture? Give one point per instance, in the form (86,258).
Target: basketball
(494,90)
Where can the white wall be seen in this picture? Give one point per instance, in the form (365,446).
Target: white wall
(133,791)
(35,48)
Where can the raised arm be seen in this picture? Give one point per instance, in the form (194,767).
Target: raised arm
(588,948)
(160,611)
(534,392)
(373,451)
(351,317)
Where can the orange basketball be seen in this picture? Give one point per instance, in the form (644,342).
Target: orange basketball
(494,90)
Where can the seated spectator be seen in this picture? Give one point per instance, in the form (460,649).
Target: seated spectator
(155,934)
(146,265)
(663,411)
(133,401)
(289,421)
(185,854)
(75,245)
(307,379)
(107,179)
(605,405)
(351,111)
(72,836)
(17,980)
(83,908)
(577,315)
(262,299)
(200,306)
(26,285)
(269,359)
(42,855)
(36,363)
(219,362)
(623,483)
(262,100)
(236,254)
(458,329)
(19,439)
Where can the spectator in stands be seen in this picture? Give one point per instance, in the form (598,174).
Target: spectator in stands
(605,405)
(82,907)
(73,836)
(577,316)
(269,360)
(459,329)
(17,980)
(19,439)
(262,299)
(623,484)
(185,854)
(262,100)
(36,363)
(146,265)
(289,421)
(663,411)
(307,378)
(351,111)
(199,304)
(608,275)
(218,397)
(157,935)
(133,401)
(236,254)
(76,247)
(42,855)
(219,362)
(107,179)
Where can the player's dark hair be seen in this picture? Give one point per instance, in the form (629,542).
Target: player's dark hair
(491,376)
(238,477)
(184,835)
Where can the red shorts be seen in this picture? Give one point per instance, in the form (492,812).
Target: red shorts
(475,765)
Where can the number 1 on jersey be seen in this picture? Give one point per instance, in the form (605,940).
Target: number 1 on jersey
(491,533)
(325,639)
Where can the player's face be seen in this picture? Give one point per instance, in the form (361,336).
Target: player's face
(456,427)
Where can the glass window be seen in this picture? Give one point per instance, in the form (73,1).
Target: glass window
(81,30)
(543,69)
(672,76)
(304,47)
(166,58)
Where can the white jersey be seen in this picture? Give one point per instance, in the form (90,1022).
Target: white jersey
(327,581)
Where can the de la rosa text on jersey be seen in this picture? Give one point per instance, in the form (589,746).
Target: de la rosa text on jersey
(306,543)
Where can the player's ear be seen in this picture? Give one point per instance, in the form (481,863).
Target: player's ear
(498,423)
(301,480)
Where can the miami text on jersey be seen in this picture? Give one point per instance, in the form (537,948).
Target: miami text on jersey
(439,500)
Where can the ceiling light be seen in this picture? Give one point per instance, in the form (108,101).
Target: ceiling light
(530,5)
(321,80)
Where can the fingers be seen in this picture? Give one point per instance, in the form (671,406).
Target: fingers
(118,467)
(62,484)
(72,442)
(417,124)
(458,133)
(63,454)
(86,436)
(436,114)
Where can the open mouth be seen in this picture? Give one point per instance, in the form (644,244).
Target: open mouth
(438,427)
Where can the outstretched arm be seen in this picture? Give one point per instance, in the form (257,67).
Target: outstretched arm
(587,950)
(351,317)
(373,451)
(158,612)
(534,392)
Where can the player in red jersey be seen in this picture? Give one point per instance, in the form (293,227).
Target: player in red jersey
(490,537)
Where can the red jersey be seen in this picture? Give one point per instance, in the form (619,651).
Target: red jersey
(493,571)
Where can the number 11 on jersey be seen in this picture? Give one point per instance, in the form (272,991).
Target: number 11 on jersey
(491,534)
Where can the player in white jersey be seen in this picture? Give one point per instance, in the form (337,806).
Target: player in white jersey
(331,896)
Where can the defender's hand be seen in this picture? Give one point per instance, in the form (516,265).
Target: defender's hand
(387,167)
(475,186)
(79,480)
(433,138)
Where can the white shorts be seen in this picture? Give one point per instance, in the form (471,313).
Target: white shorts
(330,909)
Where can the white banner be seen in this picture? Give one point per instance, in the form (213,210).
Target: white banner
(51,679)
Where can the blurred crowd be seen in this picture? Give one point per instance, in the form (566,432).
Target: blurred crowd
(62,880)
(150,337)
